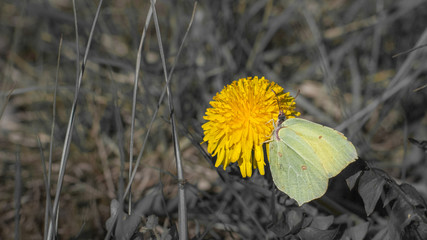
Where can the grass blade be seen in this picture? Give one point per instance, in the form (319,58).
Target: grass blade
(70,127)
(18,193)
(182,208)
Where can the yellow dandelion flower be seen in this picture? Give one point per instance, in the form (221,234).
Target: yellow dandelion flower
(239,122)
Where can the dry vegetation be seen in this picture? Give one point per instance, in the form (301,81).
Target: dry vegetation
(339,54)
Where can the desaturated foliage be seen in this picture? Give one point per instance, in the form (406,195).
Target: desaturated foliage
(355,64)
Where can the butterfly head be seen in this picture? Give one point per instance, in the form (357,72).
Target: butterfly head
(282,116)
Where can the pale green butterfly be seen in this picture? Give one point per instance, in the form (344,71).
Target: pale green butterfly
(304,155)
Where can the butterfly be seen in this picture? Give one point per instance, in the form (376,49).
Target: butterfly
(304,155)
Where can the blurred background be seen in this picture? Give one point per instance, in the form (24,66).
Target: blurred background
(339,54)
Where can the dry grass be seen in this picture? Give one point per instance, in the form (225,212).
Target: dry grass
(337,53)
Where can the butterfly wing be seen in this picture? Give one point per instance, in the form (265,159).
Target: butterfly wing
(333,149)
(304,155)
(295,167)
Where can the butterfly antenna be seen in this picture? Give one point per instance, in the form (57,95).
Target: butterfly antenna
(282,116)
(293,100)
(277,100)
(297,94)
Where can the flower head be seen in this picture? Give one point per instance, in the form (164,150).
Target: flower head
(239,122)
